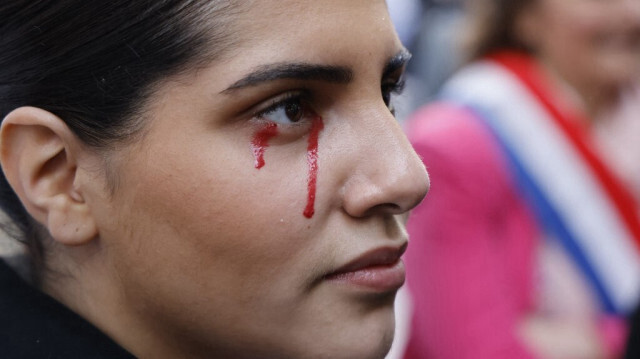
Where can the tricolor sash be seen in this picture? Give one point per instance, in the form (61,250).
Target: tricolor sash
(575,197)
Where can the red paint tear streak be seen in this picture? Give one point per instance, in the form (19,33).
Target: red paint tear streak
(260,143)
(312,160)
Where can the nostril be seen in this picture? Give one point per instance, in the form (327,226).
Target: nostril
(386,208)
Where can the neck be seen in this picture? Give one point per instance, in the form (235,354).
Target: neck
(79,278)
(87,283)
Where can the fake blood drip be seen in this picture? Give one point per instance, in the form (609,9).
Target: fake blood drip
(312,160)
(260,143)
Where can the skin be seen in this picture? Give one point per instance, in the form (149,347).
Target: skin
(177,246)
(594,46)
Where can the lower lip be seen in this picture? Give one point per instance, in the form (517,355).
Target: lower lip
(377,278)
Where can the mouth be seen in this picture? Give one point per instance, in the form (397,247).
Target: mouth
(378,270)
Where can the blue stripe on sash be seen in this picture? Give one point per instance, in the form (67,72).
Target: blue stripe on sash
(545,212)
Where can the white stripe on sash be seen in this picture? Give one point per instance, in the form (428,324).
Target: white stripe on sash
(558,169)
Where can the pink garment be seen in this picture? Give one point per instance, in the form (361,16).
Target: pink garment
(473,264)
(470,259)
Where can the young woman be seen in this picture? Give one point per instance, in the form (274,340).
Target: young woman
(203,179)
(528,246)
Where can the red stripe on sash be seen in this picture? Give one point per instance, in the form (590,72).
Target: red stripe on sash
(574,126)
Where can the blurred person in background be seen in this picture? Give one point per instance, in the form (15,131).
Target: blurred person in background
(527,246)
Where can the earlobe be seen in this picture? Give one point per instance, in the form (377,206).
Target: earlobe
(38,153)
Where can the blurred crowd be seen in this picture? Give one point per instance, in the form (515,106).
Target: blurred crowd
(527,116)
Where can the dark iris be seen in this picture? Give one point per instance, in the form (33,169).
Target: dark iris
(293,110)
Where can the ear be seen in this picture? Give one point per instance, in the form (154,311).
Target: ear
(38,154)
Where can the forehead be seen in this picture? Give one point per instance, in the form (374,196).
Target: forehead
(315,29)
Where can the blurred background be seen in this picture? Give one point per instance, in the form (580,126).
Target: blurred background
(526,247)
(527,115)
(430,29)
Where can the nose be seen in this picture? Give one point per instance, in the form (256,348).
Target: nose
(387,177)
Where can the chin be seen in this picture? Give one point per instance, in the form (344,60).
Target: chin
(370,338)
(370,346)
(341,322)
(377,347)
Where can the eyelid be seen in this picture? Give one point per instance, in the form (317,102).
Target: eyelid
(273,103)
(397,76)
(397,86)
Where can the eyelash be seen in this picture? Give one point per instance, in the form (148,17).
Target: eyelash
(301,99)
(392,88)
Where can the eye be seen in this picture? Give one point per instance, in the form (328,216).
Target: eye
(389,89)
(288,110)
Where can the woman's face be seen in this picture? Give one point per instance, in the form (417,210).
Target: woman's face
(262,212)
(589,42)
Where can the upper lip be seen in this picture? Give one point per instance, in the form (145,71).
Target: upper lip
(376,257)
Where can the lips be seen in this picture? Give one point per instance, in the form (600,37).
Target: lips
(379,270)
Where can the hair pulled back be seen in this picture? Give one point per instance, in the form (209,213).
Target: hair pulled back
(93,64)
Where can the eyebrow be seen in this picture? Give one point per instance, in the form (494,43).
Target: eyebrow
(307,71)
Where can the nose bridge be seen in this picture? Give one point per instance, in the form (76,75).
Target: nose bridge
(389,176)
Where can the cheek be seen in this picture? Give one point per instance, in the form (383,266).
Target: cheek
(212,213)
(600,47)
(590,26)
(189,242)
(569,41)
(260,143)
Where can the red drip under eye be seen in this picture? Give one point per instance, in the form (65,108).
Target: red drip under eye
(288,111)
(312,160)
(260,143)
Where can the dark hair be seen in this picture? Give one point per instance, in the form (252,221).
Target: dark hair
(93,64)
(491,26)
